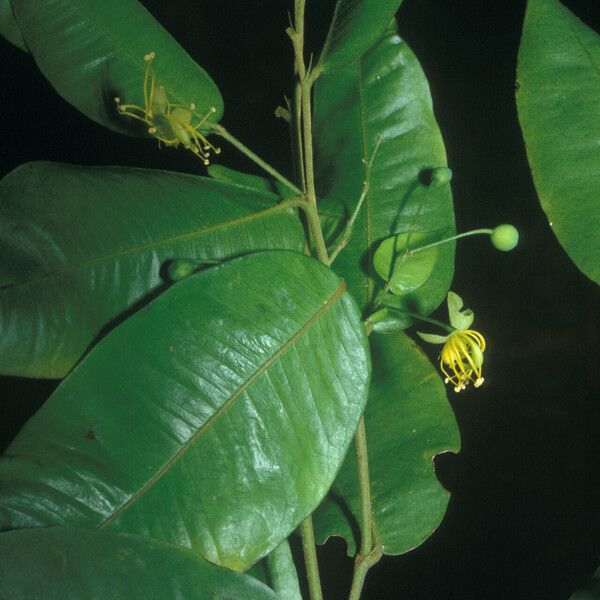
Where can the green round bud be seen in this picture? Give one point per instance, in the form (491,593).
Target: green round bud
(441,176)
(180,269)
(505,237)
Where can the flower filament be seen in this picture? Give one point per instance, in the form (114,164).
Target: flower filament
(461,358)
(171,124)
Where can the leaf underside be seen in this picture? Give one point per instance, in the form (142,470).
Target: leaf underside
(558,86)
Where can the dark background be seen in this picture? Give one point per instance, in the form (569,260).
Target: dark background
(523,518)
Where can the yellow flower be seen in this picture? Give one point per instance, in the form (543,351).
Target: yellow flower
(171,124)
(461,359)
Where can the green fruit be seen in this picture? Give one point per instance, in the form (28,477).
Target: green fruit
(180,269)
(505,237)
(441,176)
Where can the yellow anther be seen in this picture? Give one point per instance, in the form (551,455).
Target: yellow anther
(461,359)
(171,124)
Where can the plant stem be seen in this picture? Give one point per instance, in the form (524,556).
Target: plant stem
(303,118)
(293,202)
(369,552)
(305,82)
(347,233)
(312,214)
(414,315)
(362,565)
(298,134)
(362,459)
(310,559)
(454,237)
(222,132)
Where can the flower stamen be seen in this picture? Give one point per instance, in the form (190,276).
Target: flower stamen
(461,359)
(171,124)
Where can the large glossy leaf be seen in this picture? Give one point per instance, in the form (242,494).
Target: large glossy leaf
(383,97)
(9,29)
(80,246)
(408,421)
(356,25)
(64,564)
(92,51)
(557,99)
(216,417)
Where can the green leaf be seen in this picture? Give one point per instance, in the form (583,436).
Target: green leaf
(215,418)
(227,175)
(65,564)
(9,29)
(388,320)
(383,98)
(254,181)
(432,338)
(81,246)
(557,99)
(355,27)
(459,319)
(408,421)
(93,51)
(405,272)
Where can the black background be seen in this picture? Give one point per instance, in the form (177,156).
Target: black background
(523,518)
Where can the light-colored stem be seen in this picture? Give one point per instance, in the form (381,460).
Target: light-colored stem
(303,93)
(302,112)
(370,551)
(222,132)
(310,559)
(454,237)
(362,459)
(362,565)
(414,315)
(298,134)
(347,233)
(312,213)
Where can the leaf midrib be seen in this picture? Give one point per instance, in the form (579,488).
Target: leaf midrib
(325,307)
(368,197)
(148,245)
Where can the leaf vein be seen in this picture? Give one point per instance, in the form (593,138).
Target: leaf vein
(222,410)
